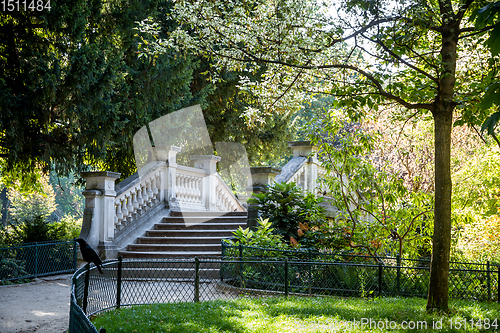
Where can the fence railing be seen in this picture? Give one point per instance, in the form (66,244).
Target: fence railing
(355,275)
(31,260)
(147,281)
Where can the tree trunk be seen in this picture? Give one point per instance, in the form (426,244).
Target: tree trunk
(443,120)
(438,282)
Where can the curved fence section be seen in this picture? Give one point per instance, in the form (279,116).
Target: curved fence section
(147,281)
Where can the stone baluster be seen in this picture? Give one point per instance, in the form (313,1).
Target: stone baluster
(150,193)
(135,203)
(130,206)
(145,196)
(118,216)
(124,209)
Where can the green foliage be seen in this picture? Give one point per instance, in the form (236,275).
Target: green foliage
(476,186)
(68,227)
(28,206)
(39,229)
(68,196)
(287,207)
(11,268)
(262,236)
(73,91)
(479,240)
(377,213)
(488,19)
(35,229)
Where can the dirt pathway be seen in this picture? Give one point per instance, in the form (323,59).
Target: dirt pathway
(41,306)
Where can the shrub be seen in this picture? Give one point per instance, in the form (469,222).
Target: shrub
(262,237)
(68,227)
(39,229)
(291,211)
(480,240)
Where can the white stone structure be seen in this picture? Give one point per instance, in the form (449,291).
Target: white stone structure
(114,217)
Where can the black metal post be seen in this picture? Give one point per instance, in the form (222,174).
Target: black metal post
(242,282)
(36,260)
(196,279)
(309,268)
(86,288)
(488,279)
(498,283)
(119,283)
(75,255)
(379,279)
(286,277)
(398,274)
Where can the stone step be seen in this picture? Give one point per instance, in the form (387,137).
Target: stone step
(179,240)
(173,247)
(189,233)
(186,235)
(189,220)
(208,214)
(167,225)
(178,254)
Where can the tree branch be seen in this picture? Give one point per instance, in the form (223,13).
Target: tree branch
(475,31)
(400,59)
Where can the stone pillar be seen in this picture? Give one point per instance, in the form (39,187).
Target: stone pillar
(306,149)
(208,163)
(168,181)
(99,215)
(259,178)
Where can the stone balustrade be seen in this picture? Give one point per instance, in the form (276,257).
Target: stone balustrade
(115,216)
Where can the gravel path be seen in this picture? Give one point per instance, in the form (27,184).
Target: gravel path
(41,306)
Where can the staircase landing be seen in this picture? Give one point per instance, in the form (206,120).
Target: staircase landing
(186,234)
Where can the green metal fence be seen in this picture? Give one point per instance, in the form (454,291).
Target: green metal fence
(354,275)
(25,261)
(147,281)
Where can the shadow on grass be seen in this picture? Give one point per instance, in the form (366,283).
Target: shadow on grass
(286,315)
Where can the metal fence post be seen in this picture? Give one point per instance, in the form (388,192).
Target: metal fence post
(36,260)
(309,268)
(488,279)
(75,255)
(398,274)
(286,277)
(498,283)
(379,278)
(86,288)
(119,283)
(242,282)
(196,279)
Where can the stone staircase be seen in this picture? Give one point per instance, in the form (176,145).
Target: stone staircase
(186,234)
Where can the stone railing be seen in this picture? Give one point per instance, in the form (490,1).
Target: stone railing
(114,217)
(304,168)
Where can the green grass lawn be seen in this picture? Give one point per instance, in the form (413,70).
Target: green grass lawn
(276,315)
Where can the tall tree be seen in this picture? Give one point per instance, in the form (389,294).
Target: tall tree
(422,55)
(73,90)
